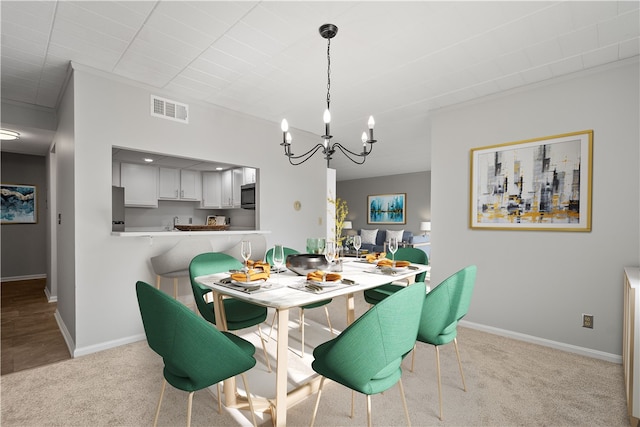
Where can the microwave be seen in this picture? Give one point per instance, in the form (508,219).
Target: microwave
(248,196)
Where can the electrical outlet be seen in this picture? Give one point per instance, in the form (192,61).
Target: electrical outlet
(587,321)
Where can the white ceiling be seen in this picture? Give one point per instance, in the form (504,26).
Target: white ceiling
(395,60)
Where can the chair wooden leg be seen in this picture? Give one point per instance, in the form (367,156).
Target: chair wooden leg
(175,288)
(353,403)
(158,278)
(368,410)
(404,402)
(455,343)
(264,349)
(439,380)
(413,356)
(273,321)
(253,412)
(315,408)
(164,384)
(326,311)
(189,405)
(219,400)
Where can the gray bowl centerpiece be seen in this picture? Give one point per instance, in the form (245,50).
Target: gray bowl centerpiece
(301,264)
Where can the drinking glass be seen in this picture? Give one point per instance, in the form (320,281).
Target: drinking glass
(357,242)
(330,252)
(278,259)
(245,251)
(393,247)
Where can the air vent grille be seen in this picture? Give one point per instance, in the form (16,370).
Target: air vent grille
(168,109)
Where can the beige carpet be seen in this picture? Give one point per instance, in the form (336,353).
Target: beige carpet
(510,383)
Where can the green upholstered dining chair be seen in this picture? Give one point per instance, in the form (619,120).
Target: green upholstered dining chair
(367,356)
(195,355)
(413,255)
(444,306)
(239,314)
(289,251)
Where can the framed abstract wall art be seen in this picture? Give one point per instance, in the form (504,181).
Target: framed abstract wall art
(387,209)
(19,204)
(536,184)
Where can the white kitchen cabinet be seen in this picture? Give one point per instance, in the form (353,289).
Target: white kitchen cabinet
(179,184)
(231,181)
(190,185)
(249,176)
(140,184)
(211,190)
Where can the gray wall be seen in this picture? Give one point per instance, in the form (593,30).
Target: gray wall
(417,186)
(24,249)
(538,283)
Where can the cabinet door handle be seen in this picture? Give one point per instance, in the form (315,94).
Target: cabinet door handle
(176,193)
(182,193)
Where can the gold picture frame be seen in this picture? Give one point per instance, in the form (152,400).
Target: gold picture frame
(535,184)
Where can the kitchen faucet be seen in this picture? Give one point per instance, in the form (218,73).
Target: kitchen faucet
(175,221)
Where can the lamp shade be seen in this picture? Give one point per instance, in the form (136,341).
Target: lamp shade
(347,225)
(425,226)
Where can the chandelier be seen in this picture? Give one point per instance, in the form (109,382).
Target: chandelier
(328,31)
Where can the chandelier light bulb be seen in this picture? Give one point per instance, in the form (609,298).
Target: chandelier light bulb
(364,138)
(371,122)
(289,138)
(284,125)
(327,116)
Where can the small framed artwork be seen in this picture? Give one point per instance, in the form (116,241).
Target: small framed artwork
(387,208)
(536,184)
(19,204)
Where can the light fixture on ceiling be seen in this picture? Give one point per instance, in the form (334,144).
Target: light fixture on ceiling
(328,31)
(8,135)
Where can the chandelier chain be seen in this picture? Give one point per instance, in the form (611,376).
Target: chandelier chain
(328,72)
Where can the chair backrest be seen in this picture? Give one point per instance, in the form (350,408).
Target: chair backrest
(287,251)
(208,263)
(195,354)
(414,255)
(445,305)
(377,341)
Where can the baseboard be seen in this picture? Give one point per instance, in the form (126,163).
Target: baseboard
(50,298)
(83,351)
(596,354)
(65,332)
(20,278)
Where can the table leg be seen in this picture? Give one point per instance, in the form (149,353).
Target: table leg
(229,385)
(281,367)
(351,308)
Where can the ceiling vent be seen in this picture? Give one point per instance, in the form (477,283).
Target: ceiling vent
(168,109)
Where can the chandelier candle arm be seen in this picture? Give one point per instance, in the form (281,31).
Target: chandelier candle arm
(328,31)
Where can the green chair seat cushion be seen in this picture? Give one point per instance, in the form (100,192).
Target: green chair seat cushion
(317,304)
(242,314)
(375,295)
(244,345)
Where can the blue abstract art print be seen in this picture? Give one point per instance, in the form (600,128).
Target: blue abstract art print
(387,209)
(19,204)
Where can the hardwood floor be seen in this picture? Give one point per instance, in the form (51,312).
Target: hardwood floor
(29,332)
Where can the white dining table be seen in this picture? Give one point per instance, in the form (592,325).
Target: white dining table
(281,294)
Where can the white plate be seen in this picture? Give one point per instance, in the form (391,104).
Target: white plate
(325,284)
(394,269)
(248,284)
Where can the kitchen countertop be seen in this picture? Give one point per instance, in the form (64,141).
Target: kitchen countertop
(177,233)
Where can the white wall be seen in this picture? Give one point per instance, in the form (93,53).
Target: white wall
(540,283)
(109,112)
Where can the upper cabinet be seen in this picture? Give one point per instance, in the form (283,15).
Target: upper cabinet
(232,179)
(140,184)
(179,184)
(211,190)
(249,175)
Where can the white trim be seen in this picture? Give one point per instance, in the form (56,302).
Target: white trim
(27,277)
(50,298)
(108,344)
(596,354)
(65,332)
